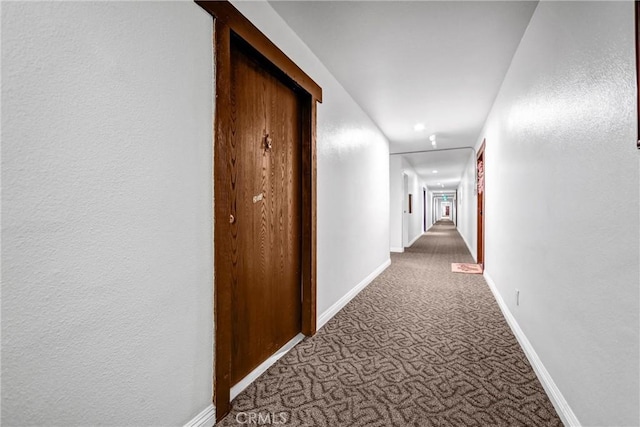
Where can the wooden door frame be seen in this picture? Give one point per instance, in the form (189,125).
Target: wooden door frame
(229,23)
(480,217)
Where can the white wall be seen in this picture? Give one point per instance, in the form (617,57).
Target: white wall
(416,216)
(561,143)
(398,167)
(468,206)
(106,213)
(430,211)
(439,208)
(396,203)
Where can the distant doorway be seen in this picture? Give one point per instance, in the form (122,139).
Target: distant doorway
(480,165)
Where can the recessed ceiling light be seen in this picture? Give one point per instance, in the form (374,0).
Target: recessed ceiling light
(434,171)
(419,127)
(432,138)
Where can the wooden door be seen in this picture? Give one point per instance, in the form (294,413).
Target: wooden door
(481,193)
(231,28)
(266,228)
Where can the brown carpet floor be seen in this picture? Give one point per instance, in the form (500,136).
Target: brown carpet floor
(420,346)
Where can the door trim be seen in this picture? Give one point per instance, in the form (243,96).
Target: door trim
(424,210)
(228,23)
(480,217)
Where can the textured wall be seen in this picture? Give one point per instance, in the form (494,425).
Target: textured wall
(106,213)
(396,200)
(399,166)
(430,206)
(468,206)
(415,188)
(353,171)
(560,145)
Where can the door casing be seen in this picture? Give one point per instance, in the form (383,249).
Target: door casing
(424,209)
(228,22)
(481,211)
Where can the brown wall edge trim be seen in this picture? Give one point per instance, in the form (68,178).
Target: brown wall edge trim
(221,228)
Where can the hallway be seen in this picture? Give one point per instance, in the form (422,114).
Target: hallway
(419,346)
(120,142)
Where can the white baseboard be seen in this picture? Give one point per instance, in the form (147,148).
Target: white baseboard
(335,308)
(414,240)
(397,250)
(471,250)
(563,409)
(253,375)
(206,418)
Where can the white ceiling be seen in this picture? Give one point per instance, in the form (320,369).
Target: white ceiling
(440,63)
(449,164)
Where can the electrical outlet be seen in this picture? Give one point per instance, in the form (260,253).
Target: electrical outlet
(517,297)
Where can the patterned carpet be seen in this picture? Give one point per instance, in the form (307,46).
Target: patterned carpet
(420,346)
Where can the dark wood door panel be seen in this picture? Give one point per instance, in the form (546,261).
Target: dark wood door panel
(266,200)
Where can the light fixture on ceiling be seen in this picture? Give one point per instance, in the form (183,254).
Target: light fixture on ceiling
(434,171)
(419,127)
(432,138)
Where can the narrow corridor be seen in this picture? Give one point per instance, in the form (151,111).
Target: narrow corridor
(125,200)
(419,346)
